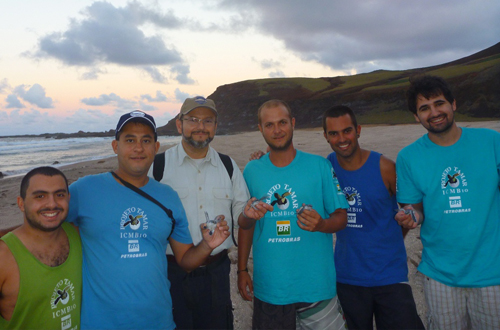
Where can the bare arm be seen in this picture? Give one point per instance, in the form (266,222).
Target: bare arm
(388,173)
(245,285)
(9,282)
(310,220)
(190,257)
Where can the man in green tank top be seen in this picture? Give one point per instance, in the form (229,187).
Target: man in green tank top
(40,262)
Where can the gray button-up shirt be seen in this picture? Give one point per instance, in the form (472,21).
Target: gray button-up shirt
(204,186)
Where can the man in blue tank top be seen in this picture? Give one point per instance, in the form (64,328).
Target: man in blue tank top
(370,256)
(450,178)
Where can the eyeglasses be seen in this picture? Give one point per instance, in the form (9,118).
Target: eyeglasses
(195,121)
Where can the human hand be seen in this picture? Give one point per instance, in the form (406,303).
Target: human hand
(256,208)
(408,217)
(256,155)
(309,219)
(218,235)
(245,285)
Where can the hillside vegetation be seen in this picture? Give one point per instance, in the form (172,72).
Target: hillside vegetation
(377,97)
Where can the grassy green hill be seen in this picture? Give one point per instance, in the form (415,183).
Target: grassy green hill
(377,97)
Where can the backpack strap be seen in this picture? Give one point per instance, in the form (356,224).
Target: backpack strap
(228,164)
(159,166)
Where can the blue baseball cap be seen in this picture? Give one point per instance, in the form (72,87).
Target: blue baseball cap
(135,116)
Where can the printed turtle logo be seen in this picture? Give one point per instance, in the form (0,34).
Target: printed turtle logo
(133,222)
(63,296)
(350,198)
(281,200)
(452,180)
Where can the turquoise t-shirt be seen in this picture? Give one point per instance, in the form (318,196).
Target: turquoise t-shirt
(290,264)
(124,239)
(459,188)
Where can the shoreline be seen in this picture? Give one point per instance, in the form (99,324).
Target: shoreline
(385,139)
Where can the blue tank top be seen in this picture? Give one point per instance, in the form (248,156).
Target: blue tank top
(370,251)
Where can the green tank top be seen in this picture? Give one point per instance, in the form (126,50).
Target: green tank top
(49,297)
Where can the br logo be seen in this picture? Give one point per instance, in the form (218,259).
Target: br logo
(283,228)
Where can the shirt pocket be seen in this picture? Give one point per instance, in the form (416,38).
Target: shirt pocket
(223,198)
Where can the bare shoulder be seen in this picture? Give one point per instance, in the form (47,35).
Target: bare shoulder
(387,165)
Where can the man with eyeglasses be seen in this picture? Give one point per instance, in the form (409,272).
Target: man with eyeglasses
(201,299)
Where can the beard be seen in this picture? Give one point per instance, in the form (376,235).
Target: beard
(440,130)
(282,147)
(197,144)
(37,225)
(450,120)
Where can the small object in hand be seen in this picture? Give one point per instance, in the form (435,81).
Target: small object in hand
(410,212)
(257,201)
(212,224)
(304,207)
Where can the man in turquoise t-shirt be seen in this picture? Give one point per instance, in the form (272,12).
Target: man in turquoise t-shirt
(450,179)
(294,270)
(125,235)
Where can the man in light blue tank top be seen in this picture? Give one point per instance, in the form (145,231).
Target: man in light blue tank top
(370,256)
(450,179)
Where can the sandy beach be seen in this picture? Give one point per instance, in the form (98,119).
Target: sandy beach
(388,140)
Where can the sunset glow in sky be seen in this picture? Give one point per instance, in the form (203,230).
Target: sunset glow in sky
(67,66)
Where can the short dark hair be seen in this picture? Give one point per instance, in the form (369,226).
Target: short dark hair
(338,111)
(427,86)
(136,121)
(272,104)
(43,170)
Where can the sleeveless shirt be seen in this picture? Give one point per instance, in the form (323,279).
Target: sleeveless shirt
(370,251)
(49,297)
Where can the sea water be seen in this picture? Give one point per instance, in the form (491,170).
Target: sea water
(18,155)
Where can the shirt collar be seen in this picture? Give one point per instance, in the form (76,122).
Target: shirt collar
(182,155)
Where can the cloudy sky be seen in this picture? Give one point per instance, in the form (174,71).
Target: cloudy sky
(77,65)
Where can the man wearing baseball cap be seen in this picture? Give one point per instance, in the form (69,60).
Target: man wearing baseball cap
(126,222)
(208,183)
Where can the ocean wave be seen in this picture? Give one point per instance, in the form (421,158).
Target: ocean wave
(20,155)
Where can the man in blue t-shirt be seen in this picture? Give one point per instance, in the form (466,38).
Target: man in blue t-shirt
(294,270)
(125,234)
(370,256)
(450,179)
